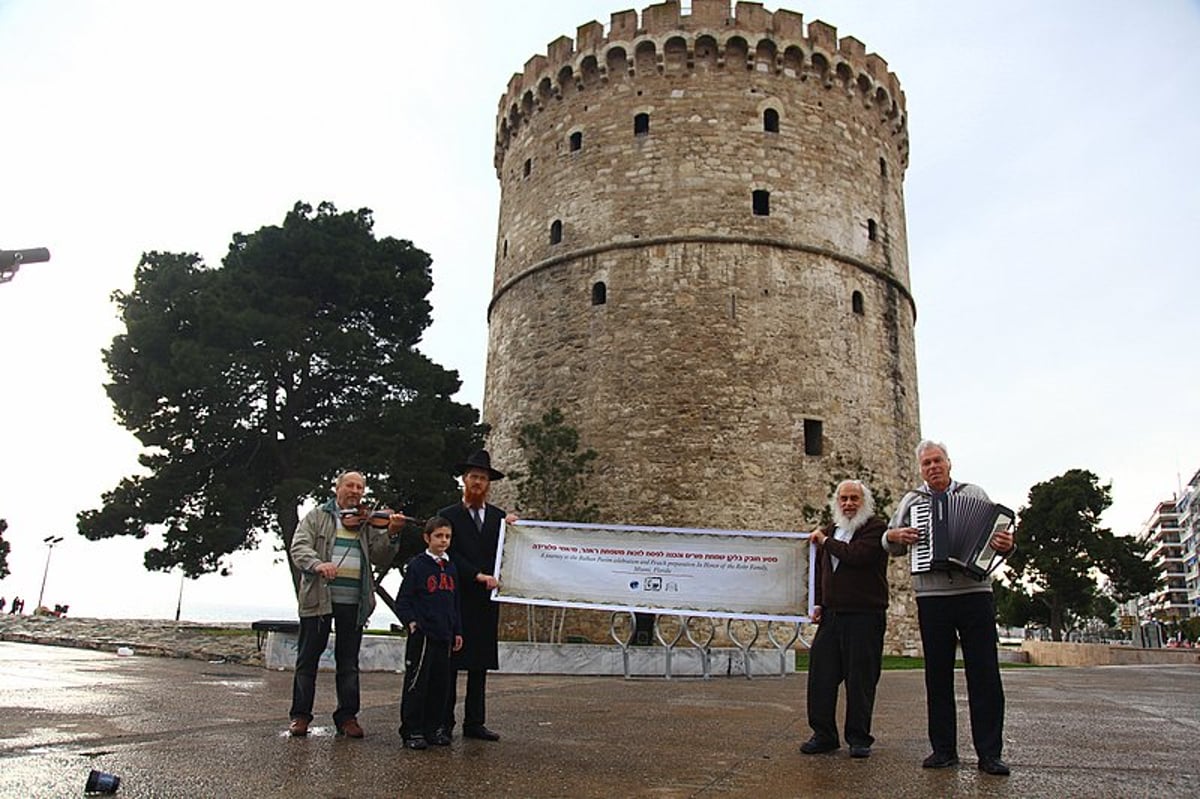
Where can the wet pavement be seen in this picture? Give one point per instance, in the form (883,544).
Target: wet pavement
(187,728)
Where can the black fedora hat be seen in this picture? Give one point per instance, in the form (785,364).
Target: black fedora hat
(479,459)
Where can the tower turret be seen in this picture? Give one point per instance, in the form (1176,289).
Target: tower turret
(701,259)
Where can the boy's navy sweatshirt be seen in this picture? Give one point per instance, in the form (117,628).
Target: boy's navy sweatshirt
(429,596)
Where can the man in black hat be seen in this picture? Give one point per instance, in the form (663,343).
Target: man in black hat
(476,526)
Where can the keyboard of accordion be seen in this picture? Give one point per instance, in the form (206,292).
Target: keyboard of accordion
(921,553)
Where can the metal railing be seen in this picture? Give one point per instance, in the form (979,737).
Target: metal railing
(699,632)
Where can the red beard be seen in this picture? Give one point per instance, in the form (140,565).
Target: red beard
(474,496)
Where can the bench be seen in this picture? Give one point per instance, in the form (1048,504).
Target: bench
(261,628)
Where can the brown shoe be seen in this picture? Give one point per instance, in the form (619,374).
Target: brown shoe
(351,729)
(298,727)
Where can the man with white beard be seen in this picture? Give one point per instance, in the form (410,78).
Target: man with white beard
(850,607)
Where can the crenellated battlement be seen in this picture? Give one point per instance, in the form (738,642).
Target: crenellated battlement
(667,40)
(701,259)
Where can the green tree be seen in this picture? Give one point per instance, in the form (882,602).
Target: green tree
(1062,552)
(1015,608)
(554,484)
(252,385)
(1191,628)
(4,550)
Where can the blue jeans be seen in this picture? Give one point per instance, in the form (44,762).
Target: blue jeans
(314,637)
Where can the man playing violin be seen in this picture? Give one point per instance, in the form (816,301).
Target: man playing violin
(333,549)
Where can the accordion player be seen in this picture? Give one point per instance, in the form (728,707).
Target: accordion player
(955,533)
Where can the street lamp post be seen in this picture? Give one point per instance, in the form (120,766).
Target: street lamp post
(49,541)
(179,603)
(11,260)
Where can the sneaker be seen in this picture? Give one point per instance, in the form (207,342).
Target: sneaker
(416,742)
(350,728)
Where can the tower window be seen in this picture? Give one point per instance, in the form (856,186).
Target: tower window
(576,140)
(556,231)
(872,230)
(641,125)
(761,202)
(505,248)
(599,293)
(528,166)
(771,120)
(882,167)
(856,302)
(813,444)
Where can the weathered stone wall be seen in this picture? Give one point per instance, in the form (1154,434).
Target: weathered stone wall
(1062,653)
(721,331)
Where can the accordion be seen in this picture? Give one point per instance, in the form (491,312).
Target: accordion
(954,532)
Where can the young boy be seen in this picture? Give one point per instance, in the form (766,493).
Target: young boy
(428,606)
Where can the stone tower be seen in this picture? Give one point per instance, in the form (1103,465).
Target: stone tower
(701,259)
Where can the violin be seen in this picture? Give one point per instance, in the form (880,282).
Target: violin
(377,518)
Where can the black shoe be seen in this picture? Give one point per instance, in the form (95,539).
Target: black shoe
(993,765)
(416,742)
(481,732)
(860,751)
(438,738)
(940,760)
(815,746)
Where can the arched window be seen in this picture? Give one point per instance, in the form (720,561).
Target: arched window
(576,140)
(882,166)
(645,58)
(856,302)
(761,202)
(599,293)
(675,55)
(641,125)
(705,52)
(556,231)
(618,62)
(771,120)
(872,230)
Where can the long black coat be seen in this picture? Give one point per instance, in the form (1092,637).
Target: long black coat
(474,552)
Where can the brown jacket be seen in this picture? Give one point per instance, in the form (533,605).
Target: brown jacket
(860,582)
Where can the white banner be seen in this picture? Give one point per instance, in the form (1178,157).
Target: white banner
(677,571)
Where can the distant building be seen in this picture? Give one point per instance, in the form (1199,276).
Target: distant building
(1188,508)
(1162,532)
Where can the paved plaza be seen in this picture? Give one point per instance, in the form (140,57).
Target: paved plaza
(187,728)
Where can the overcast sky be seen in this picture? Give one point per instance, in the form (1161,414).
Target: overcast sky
(1051,196)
